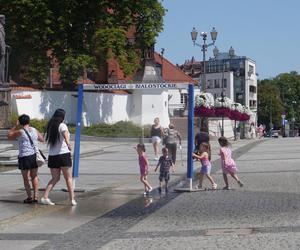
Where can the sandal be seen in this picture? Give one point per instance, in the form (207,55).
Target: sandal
(27,200)
(35,200)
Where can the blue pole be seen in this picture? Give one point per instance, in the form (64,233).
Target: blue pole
(78,131)
(190,133)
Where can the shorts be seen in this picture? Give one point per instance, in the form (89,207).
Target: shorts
(58,161)
(205,169)
(231,169)
(155,139)
(27,162)
(164,176)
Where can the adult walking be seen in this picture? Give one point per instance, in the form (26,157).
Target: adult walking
(252,130)
(170,137)
(58,139)
(156,135)
(28,138)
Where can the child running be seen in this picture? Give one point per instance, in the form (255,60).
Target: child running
(228,164)
(205,165)
(165,163)
(143,162)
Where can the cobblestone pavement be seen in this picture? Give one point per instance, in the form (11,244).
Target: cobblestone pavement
(264,214)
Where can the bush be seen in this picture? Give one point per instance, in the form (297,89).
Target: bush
(120,129)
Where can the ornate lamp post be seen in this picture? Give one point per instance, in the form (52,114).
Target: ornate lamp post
(204,46)
(293,117)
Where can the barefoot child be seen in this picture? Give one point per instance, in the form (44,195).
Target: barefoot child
(205,165)
(143,162)
(228,164)
(165,163)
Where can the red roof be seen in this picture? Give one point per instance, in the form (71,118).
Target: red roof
(171,73)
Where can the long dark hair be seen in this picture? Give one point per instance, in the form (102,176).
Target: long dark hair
(52,133)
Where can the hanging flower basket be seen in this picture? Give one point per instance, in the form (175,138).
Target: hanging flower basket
(202,111)
(235,115)
(222,112)
(244,117)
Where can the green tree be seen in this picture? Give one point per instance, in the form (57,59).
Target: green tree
(284,92)
(270,106)
(79,34)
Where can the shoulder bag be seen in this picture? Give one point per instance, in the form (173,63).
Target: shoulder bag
(40,157)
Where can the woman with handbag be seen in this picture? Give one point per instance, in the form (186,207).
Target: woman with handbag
(58,139)
(28,138)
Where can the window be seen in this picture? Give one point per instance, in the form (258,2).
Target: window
(209,84)
(225,83)
(252,89)
(217,83)
(183,98)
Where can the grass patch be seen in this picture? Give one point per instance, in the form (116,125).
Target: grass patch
(120,129)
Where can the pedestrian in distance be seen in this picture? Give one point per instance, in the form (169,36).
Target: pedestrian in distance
(170,140)
(156,134)
(165,163)
(144,167)
(58,139)
(228,164)
(203,156)
(27,154)
(252,131)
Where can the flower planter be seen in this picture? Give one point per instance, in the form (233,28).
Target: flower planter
(222,112)
(202,111)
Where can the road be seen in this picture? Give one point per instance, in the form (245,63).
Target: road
(264,214)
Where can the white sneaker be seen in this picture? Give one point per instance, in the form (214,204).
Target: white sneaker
(73,203)
(156,158)
(47,201)
(214,186)
(150,189)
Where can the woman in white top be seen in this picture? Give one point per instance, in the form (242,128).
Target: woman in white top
(58,138)
(27,154)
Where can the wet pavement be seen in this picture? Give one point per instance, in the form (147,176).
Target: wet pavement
(111,204)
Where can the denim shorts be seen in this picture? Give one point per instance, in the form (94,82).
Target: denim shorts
(164,176)
(27,162)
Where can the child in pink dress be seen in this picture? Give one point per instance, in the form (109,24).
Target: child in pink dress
(228,164)
(143,162)
(205,165)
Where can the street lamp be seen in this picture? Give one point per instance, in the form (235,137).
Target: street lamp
(293,117)
(223,94)
(204,47)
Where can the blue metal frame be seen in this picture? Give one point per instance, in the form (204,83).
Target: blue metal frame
(190,169)
(78,132)
(76,155)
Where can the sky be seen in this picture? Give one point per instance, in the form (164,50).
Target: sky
(267,31)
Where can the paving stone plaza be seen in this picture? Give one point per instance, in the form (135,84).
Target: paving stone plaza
(113,214)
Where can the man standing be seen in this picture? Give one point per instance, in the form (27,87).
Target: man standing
(2,50)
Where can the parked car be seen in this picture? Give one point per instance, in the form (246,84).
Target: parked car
(273,133)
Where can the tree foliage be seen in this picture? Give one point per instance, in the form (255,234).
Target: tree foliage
(279,95)
(80,34)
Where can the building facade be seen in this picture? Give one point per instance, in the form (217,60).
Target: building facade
(235,76)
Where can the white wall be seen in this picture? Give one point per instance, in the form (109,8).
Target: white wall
(97,107)
(140,107)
